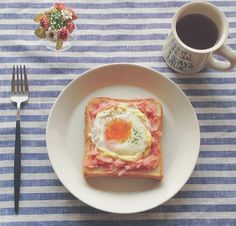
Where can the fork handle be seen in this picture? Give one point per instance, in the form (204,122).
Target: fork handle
(17,166)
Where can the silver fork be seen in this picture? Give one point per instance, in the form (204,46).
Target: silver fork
(19,94)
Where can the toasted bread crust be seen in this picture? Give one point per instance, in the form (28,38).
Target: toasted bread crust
(156,173)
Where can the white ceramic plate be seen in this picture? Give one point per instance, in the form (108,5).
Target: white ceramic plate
(65,138)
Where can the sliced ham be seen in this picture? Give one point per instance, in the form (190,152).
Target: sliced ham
(104,159)
(121,166)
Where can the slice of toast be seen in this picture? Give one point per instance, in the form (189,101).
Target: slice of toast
(154,173)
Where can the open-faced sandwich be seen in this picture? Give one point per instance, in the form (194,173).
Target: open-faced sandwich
(123,138)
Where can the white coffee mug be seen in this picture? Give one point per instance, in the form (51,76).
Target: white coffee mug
(187,60)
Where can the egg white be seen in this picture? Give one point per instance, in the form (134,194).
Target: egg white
(137,144)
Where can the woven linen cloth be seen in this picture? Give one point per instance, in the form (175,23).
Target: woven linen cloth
(111,31)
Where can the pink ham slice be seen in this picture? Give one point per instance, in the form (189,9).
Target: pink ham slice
(121,166)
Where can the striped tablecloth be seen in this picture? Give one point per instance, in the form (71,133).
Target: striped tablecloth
(111,31)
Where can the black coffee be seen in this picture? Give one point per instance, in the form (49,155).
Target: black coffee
(197,31)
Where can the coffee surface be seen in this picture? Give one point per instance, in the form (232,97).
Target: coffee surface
(197,31)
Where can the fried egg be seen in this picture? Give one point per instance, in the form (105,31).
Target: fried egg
(121,132)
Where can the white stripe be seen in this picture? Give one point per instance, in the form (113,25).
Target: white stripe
(161,31)
(106,43)
(52,176)
(86,1)
(215,110)
(34,99)
(35,190)
(232,160)
(125,9)
(70,55)
(29,150)
(62,189)
(209,187)
(112,217)
(217,122)
(42,203)
(118,20)
(219,173)
(199,87)
(207,86)
(212,97)
(227,147)
(216,135)
(59,88)
(31,176)
(219,135)
(51,87)
(69,203)
(25,163)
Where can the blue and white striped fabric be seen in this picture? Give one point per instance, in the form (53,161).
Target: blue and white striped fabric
(111,31)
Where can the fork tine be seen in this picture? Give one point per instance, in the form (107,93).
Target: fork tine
(13,80)
(26,80)
(21,80)
(17,79)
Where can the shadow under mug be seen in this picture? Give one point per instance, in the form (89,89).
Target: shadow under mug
(187,60)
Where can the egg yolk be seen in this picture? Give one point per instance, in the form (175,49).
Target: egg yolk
(118,130)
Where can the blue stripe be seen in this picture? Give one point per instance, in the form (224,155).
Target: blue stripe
(8,131)
(144,48)
(212,180)
(28,169)
(45,94)
(51,210)
(93,37)
(45,82)
(31,183)
(39,196)
(44,118)
(148,222)
(218,141)
(25,156)
(214,104)
(41,59)
(68,196)
(28,106)
(180,222)
(215,167)
(105,27)
(210,92)
(26,118)
(35,94)
(24,143)
(96,6)
(223,128)
(55,182)
(98,27)
(117,5)
(115,37)
(86,209)
(48,169)
(216,116)
(204,80)
(106,16)
(46,71)
(42,143)
(110,16)
(217,154)
(59,71)
(46,106)
(206,194)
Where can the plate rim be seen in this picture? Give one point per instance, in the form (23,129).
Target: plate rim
(120,65)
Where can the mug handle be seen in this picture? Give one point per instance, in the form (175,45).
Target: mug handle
(227,53)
